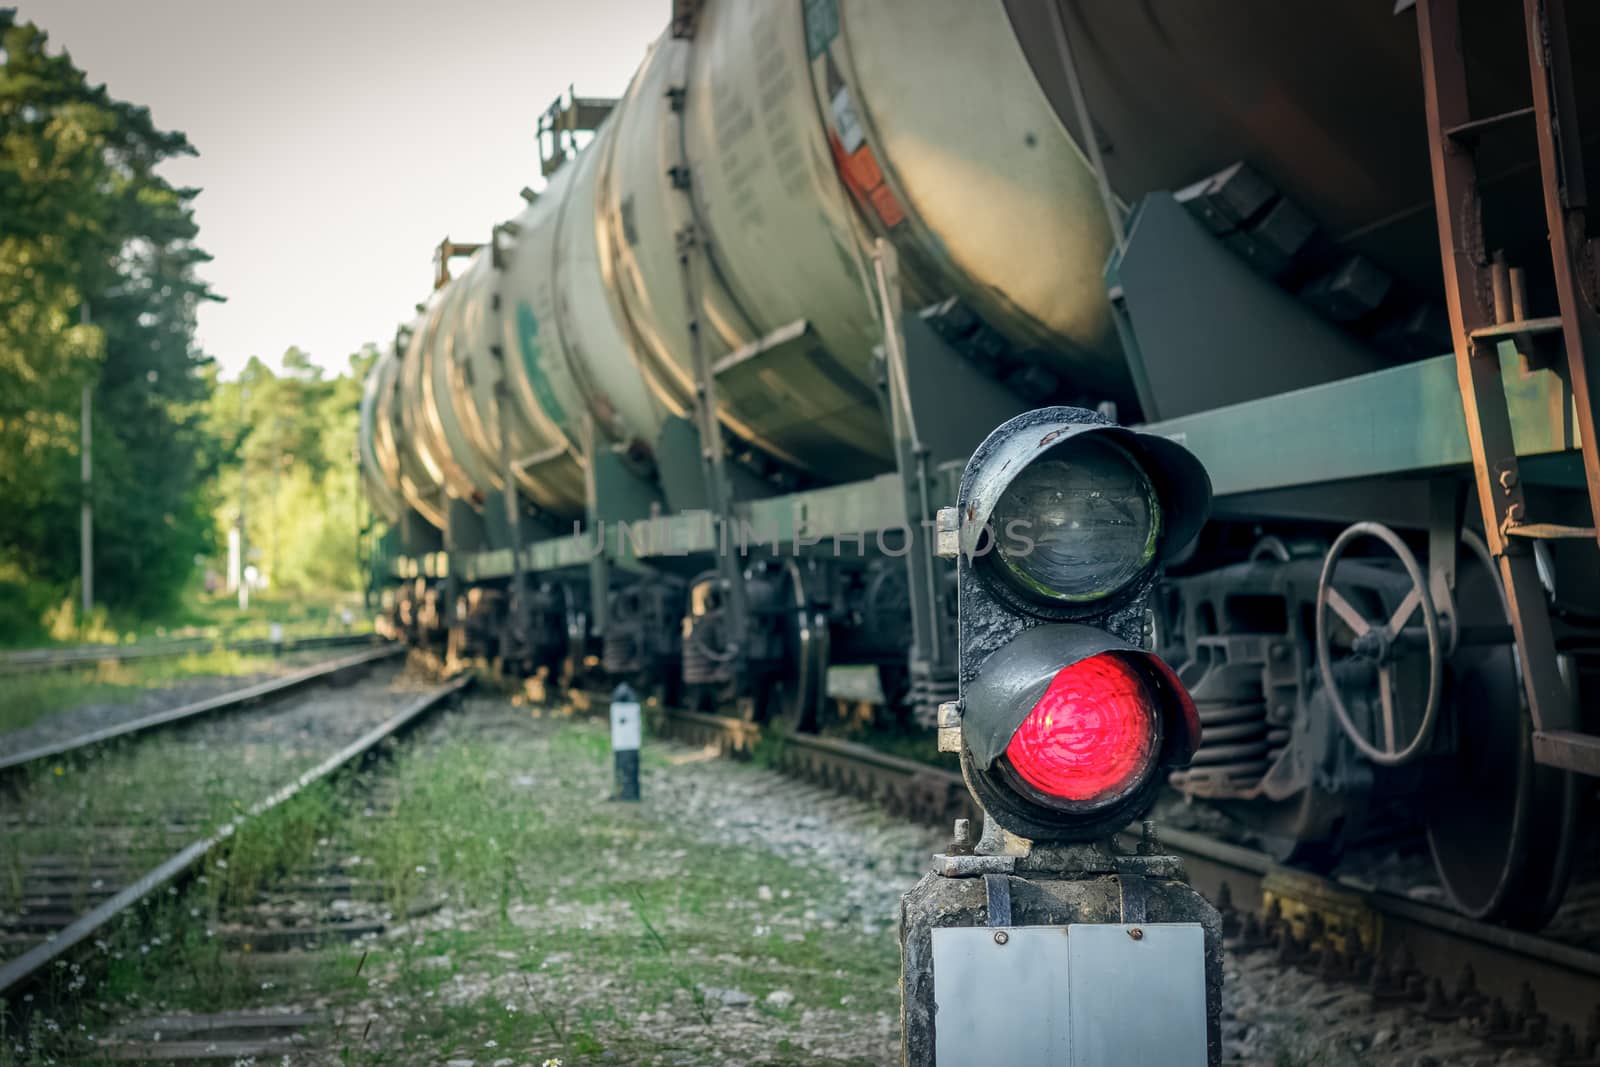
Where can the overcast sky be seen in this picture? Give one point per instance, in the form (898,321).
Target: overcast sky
(340,140)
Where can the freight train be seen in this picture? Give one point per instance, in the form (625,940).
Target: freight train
(687,419)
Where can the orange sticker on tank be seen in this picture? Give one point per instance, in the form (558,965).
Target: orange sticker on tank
(863,168)
(864,179)
(841,163)
(887,206)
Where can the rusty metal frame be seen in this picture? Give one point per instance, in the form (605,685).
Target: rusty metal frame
(560,123)
(1470,285)
(444,253)
(1555,112)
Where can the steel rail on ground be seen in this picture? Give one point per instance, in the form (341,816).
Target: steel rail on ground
(30,965)
(38,660)
(13,762)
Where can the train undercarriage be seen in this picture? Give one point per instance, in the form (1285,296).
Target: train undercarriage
(1299,775)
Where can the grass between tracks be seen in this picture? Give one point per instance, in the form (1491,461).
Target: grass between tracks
(31,697)
(198,614)
(134,803)
(571,927)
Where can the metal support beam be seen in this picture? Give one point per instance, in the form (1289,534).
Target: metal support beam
(713,453)
(519,605)
(692,267)
(1091,140)
(599,561)
(939,405)
(886,272)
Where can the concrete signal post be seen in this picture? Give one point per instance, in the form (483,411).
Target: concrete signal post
(1046,941)
(626,733)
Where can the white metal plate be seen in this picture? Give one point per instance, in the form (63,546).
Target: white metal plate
(1084,995)
(625,732)
(1138,1002)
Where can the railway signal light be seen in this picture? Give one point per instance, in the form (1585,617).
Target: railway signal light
(1065,725)
(1065,722)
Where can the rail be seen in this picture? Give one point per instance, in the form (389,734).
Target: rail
(28,661)
(15,762)
(24,969)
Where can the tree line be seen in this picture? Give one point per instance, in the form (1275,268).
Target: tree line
(99,289)
(290,438)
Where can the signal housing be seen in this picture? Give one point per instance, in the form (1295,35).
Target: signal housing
(1015,641)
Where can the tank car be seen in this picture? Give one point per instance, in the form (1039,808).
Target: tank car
(687,419)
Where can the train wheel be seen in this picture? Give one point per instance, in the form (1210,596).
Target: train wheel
(782,706)
(1501,827)
(793,697)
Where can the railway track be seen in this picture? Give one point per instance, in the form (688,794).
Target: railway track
(12,763)
(91,832)
(35,660)
(1513,989)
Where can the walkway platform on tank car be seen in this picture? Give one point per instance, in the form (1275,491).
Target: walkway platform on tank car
(1391,424)
(1403,420)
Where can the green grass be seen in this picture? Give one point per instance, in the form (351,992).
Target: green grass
(198,614)
(31,697)
(569,892)
(282,839)
(126,799)
(572,927)
(206,615)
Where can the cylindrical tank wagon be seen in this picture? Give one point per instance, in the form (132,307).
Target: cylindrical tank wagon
(687,417)
(782,147)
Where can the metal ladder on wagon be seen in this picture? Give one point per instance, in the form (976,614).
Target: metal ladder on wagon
(1486,308)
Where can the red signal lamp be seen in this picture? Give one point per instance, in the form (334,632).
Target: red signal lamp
(1067,732)
(1093,733)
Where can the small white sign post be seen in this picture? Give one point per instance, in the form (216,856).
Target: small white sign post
(626,731)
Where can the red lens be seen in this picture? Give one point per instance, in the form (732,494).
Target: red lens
(1091,735)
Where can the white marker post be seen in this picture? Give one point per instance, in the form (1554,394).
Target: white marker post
(626,722)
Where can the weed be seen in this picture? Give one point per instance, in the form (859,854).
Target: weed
(280,839)
(768,749)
